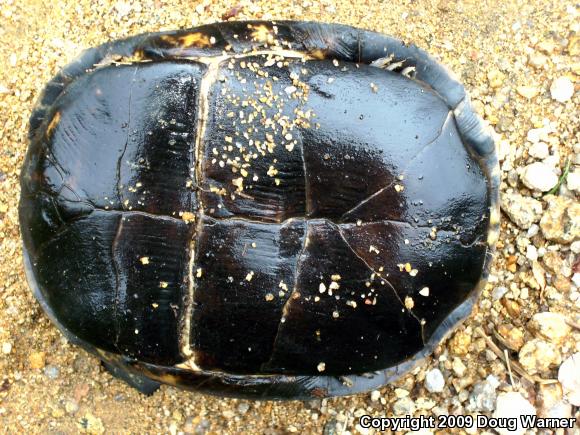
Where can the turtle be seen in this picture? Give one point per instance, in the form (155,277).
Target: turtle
(259,209)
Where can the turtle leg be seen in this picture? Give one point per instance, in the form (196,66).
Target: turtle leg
(139,382)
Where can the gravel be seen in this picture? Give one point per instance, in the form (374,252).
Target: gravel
(539,176)
(569,378)
(522,210)
(551,326)
(538,356)
(484,395)
(434,381)
(561,220)
(510,405)
(539,150)
(562,89)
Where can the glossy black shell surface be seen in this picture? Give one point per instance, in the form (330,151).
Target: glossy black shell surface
(274,210)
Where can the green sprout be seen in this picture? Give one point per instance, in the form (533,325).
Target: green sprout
(562,177)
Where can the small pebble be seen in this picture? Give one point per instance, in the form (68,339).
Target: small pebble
(562,89)
(484,395)
(459,343)
(513,336)
(512,405)
(538,356)
(532,231)
(434,381)
(528,92)
(71,406)
(522,210)
(243,407)
(551,326)
(458,367)
(6,348)
(569,377)
(561,219)
(404,406)
(122,8)
(51,371)
(37,360)
(228,414)
(539,150)
(539,176)
(499,292)
(531,253)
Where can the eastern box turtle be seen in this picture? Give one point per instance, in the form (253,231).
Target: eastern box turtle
(258,209)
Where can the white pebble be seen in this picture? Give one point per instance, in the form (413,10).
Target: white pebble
(539,150)
(573,181)
(539,176)
(512,405)
(498,293)
(562,89)
(6,348)
(569,377)
(550,325)
(434,381)
(531,253)
(123,8)
(532,231)
(535,135)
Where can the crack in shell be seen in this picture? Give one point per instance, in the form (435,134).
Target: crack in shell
(421,325)
(403,172)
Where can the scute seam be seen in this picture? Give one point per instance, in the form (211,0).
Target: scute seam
(423,148)
(286,306)
(186,324)
(383,278)
(116,268)
(120,161)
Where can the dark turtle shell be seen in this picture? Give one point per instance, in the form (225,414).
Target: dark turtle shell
(259,209)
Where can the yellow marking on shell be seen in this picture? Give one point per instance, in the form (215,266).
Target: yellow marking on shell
(168,378)
(196,39)
(494,216)
(53,123)
(137,56)
(116,59)
(492,237)
(188,364)
(215,61)
(261,33)
(187,216)
(318,54)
